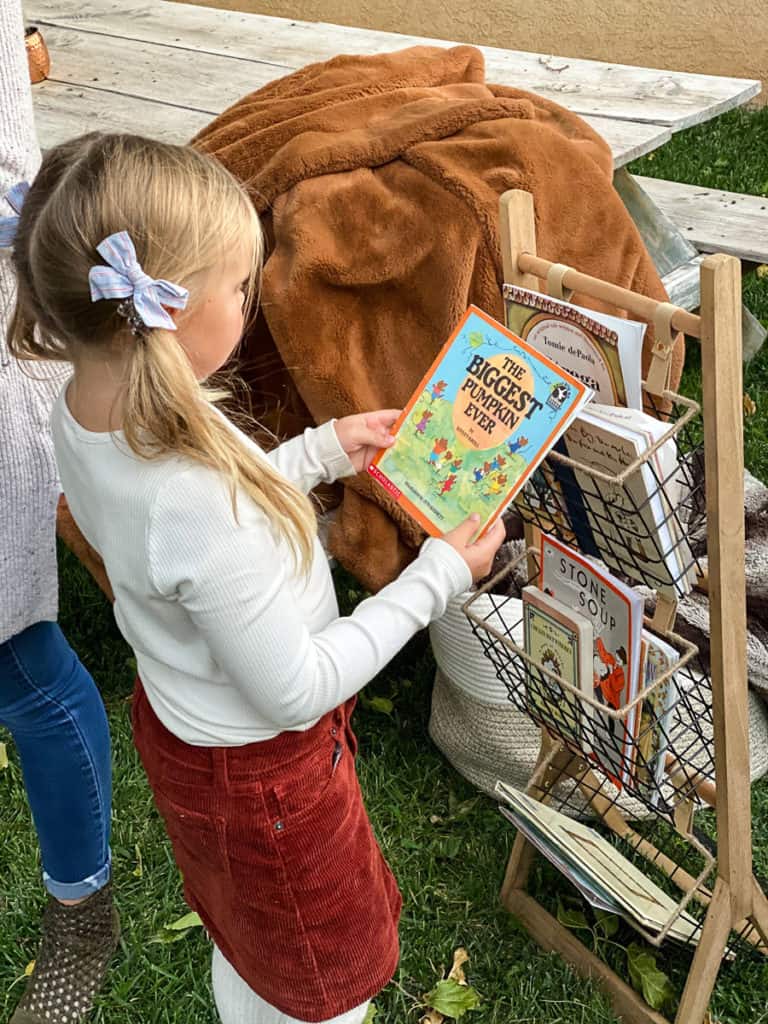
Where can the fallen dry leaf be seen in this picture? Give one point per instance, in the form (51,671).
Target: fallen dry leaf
(762,270)
(749,406)
(456,972)
(3,756)
(29,968)
(432,1017)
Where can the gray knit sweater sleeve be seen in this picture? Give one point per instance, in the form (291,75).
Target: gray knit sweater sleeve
(28,480)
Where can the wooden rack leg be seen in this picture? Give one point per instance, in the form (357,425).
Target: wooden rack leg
(724,471)
(517,228)
(553,937)
(708,957)
(684,816)
(759,910)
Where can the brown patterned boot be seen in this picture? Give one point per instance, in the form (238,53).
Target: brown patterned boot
(77,944)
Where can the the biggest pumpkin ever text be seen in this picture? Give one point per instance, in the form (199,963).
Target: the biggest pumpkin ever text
(496,394)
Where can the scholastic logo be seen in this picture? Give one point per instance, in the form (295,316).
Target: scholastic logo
(385,482)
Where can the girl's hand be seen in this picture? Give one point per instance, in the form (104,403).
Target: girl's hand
(363,435)
(480,554)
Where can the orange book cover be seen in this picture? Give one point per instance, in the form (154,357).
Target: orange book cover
(485,414)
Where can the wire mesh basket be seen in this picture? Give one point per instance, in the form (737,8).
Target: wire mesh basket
(657,747)
(641,522)
(655,752)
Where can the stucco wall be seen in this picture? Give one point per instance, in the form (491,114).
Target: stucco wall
(719,37)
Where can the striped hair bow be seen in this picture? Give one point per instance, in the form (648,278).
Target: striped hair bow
(124,278)
(10,225)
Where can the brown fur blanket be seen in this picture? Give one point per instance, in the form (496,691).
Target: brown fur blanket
(378,181)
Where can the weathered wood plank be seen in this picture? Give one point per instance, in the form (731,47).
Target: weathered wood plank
(588,87)
(712,220)
(165,74)
(126,69)
(63,111)
(629,140)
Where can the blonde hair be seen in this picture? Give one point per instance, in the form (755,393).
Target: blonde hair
(185,214)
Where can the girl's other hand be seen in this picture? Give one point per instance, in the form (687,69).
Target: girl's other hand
(363,435)
(478,555)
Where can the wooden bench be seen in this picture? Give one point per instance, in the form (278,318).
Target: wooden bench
(168,69)
(678,222)
(712,220)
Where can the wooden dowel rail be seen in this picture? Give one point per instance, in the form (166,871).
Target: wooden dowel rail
(637,305)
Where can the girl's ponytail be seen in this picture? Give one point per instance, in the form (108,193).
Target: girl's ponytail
(167,410)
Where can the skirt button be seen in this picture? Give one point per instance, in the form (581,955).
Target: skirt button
(279,826)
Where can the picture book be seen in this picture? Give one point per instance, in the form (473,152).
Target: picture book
(482,419)
(613,879)
(656,717)
(632,526)
(560,641)
(616,614)
(602,351)
(599,898)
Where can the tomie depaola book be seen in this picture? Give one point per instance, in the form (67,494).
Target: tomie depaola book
(485,414)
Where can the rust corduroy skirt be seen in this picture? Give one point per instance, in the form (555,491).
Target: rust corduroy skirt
(279,860)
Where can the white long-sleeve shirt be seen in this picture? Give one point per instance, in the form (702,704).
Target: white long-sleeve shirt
(232,645)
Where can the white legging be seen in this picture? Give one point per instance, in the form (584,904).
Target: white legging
(237,1003)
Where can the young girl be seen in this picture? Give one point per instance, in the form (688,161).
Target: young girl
(137,263)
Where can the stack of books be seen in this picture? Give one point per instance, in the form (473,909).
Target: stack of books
(606,879)
(497,400)
(584,627)
(633,528)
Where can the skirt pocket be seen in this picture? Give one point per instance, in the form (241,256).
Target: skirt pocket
(198,839)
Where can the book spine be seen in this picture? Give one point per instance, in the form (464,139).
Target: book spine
(574,503)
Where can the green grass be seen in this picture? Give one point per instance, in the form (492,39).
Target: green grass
(450,871)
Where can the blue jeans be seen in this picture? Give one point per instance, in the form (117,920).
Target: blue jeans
(54,712)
